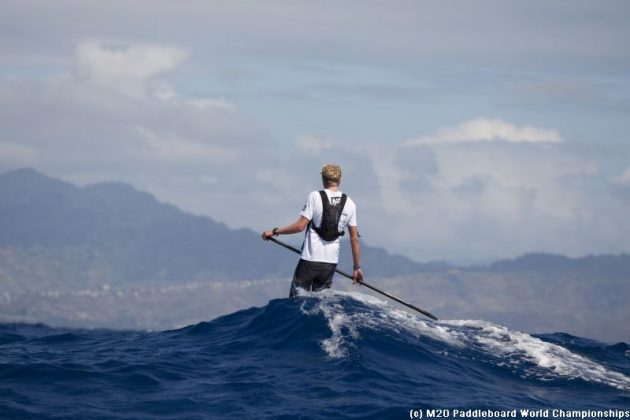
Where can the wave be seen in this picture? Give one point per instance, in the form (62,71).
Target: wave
(330,354)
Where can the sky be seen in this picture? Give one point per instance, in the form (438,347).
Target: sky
(467,131)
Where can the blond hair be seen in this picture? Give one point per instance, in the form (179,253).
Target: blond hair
(331,173)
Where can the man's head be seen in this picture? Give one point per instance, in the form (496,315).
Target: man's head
(331,174)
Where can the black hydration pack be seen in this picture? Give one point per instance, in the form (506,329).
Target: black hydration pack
(329,229)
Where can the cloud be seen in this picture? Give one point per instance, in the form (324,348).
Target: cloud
(454,198)
(312,144)
(126,67)
(150,113)
(112,116)
(481,199)
(369,29)
(485,129)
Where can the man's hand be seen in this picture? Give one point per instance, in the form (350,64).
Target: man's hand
(268,234)
(357,276)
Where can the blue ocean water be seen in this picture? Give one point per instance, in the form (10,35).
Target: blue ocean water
(330,355)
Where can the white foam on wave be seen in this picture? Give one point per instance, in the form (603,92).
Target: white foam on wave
(549,360)
(343,324)
(336,346)
(397,319)
(533,356)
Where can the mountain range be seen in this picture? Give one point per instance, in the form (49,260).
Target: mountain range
(108,255)
(137,238)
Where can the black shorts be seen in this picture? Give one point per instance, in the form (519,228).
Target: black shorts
(312,276)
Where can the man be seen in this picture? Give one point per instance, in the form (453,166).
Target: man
(326,214)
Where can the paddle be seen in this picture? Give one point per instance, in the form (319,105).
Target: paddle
(369,286)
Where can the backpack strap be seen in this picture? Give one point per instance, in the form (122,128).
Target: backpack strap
(342,204)
(325,206)
(325,201)
(344,198)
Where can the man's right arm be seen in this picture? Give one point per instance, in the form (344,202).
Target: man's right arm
(357,273)
(299,226)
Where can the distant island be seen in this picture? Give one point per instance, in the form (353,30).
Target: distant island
(139,239)
(110,255)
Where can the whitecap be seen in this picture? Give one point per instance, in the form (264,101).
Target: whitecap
(532,356)
(550,360)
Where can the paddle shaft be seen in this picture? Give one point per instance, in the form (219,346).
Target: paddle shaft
(369,286)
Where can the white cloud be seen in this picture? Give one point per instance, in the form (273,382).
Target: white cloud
(484,188)
(466,200)
(117,118)
(127,68)
(312,145)
(483,199)
(485,129)
(171,148)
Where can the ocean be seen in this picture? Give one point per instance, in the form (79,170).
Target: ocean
(324,356)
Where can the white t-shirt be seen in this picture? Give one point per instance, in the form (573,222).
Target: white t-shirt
(315,248)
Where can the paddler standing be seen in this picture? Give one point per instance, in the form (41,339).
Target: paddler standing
(326,215)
